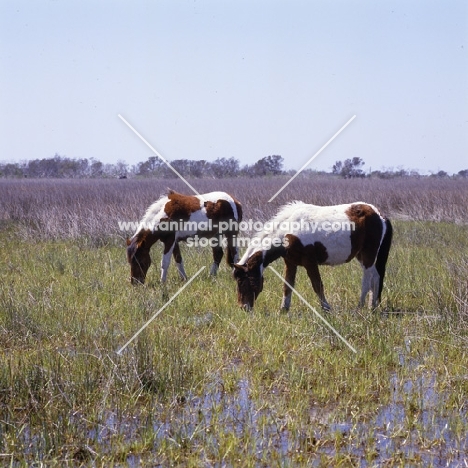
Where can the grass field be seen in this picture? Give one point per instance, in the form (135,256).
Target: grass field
(206,383)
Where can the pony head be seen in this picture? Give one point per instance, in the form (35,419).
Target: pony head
(249,284)
(139,258)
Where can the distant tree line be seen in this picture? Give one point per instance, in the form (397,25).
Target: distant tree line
(352,168)
(64,167)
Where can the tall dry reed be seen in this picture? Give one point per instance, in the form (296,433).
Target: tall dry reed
(92,209)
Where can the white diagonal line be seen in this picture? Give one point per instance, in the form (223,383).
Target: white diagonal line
(313,310)
(160,310)
(158,155)
(312,158)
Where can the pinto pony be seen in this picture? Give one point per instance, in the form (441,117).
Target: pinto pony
(176,217)
(309,236)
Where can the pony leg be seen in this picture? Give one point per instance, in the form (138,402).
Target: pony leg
(232,252)
(217,257)
(314,275)
(179,261)
(169,246)
(290,270)
(370,282)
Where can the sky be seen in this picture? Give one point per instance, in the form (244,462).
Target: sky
(208,79)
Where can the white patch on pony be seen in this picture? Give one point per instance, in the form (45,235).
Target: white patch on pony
(197,219)
(370,282)
(247,254)
(255,246)
(384,231)
(154,214)
(165,262)
(328,225)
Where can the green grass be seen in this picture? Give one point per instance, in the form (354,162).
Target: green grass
(207,382)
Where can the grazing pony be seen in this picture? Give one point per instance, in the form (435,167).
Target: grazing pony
(178,217)
(309,236)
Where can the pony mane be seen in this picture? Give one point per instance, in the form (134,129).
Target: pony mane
(286,210)
(282,215)
(154,210)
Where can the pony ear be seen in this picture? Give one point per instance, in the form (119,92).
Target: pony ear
(240,267)
(133,245)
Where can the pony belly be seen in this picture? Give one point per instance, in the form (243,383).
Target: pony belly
(335,247)
(198,223)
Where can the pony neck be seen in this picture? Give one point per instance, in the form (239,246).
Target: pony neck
(144,237)
(272,254)
(263,257)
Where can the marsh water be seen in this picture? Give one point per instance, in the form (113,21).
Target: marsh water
(409,430)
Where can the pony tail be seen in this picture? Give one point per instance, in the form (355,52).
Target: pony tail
(382,255)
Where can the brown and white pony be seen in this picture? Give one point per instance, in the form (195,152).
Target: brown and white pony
(176,217)
(309,236)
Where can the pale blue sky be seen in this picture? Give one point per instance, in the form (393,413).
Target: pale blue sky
(202,79)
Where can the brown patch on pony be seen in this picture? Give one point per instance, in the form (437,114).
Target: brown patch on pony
(254,262)
(181,206)
(300,254)
(219,210)
(367,231)
(358,213)
(320,252)
(310,257)
(294,250)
